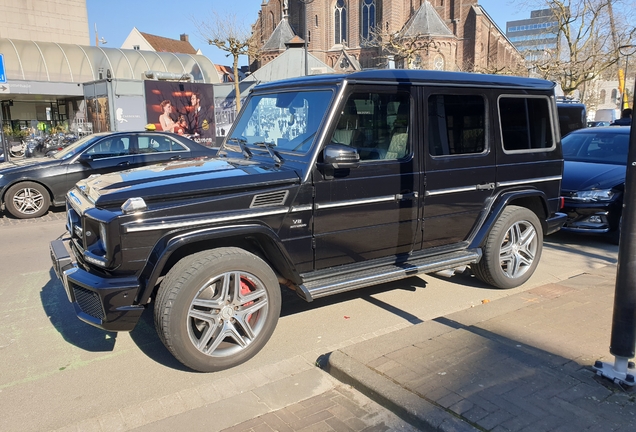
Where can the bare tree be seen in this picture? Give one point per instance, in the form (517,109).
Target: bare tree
(403,48)
(588,41)
(229,35)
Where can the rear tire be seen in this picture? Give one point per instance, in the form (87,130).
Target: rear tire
(512,250)
(216,309)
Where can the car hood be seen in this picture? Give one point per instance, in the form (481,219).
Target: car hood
(183,179)
(585,176)
(24,165)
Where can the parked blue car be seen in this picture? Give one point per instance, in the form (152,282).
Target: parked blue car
(594,179)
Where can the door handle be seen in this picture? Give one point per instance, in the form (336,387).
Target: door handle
(485,186)
(125,163)
(406,196)
(177,157)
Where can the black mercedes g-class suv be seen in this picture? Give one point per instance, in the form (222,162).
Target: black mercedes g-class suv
(324,184)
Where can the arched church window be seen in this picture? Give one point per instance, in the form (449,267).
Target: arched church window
(340,22)
(368,18)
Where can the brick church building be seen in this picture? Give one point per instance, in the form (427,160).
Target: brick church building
(454,35)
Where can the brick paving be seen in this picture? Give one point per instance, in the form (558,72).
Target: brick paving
(339,410)
(522,363)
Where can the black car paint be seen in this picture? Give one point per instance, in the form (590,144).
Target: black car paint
(58,176)
(316,231)
(581,175)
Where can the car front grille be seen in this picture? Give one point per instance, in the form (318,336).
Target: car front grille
(89,302)
(74,226)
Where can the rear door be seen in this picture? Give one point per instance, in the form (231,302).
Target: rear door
(459,163)
(155,148)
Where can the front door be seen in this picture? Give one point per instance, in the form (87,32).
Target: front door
(370,211)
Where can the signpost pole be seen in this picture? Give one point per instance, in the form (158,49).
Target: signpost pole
(5,144)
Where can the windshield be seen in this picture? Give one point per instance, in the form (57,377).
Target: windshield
(286,121)
(77,147)
(609,148)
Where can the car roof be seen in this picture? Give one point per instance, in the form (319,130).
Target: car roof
(417,76)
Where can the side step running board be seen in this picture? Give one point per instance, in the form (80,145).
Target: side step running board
(341,282)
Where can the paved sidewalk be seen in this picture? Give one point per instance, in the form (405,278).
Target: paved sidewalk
(56,213)
(522,363)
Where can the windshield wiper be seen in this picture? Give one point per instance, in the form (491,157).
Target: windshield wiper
(270,149)
(242,144)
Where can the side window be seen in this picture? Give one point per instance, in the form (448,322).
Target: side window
(376,124)
(110,147)
(159,144)
(456,124)
(525,123)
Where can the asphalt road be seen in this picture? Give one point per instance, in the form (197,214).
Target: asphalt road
(58,372)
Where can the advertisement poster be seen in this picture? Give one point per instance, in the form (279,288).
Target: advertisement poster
(98,113)
(183,108)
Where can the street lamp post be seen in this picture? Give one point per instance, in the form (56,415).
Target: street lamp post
(305,3)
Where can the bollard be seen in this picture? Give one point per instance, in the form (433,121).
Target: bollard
(623,338)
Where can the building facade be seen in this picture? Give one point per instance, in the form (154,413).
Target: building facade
(345,34)
(535,35)
(61,21)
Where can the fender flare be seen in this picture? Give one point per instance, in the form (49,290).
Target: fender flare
(172,242)
(499,203)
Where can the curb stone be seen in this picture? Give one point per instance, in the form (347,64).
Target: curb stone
(406,405)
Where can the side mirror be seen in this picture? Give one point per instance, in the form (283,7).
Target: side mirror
(340,156)
(85,158)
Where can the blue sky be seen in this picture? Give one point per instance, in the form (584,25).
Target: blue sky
(116,18)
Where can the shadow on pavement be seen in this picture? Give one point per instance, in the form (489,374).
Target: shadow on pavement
(146,338)
(62,315)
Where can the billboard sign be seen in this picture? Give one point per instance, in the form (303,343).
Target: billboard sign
(183,108)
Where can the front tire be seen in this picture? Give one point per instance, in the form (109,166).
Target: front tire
(216,309)
(27,200)
(512,250)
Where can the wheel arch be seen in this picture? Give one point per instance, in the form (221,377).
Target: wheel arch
(534,200)
(257,239)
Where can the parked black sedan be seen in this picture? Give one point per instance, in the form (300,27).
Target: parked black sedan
(594,179)
(29,186)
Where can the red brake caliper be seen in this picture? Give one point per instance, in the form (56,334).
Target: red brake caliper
(246,288)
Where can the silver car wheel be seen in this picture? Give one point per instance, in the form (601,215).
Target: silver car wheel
(28,201)
(518,249)
(227,314)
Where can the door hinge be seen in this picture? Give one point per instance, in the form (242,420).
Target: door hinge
(313,243)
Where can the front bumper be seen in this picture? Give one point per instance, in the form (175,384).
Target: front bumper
(597,218)
(106,303)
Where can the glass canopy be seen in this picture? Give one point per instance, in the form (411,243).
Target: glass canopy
(56,62)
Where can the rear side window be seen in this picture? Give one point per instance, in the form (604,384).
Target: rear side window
(525,123)
(158,144)
(456,124)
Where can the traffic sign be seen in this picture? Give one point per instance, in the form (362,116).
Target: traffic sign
(3,76)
